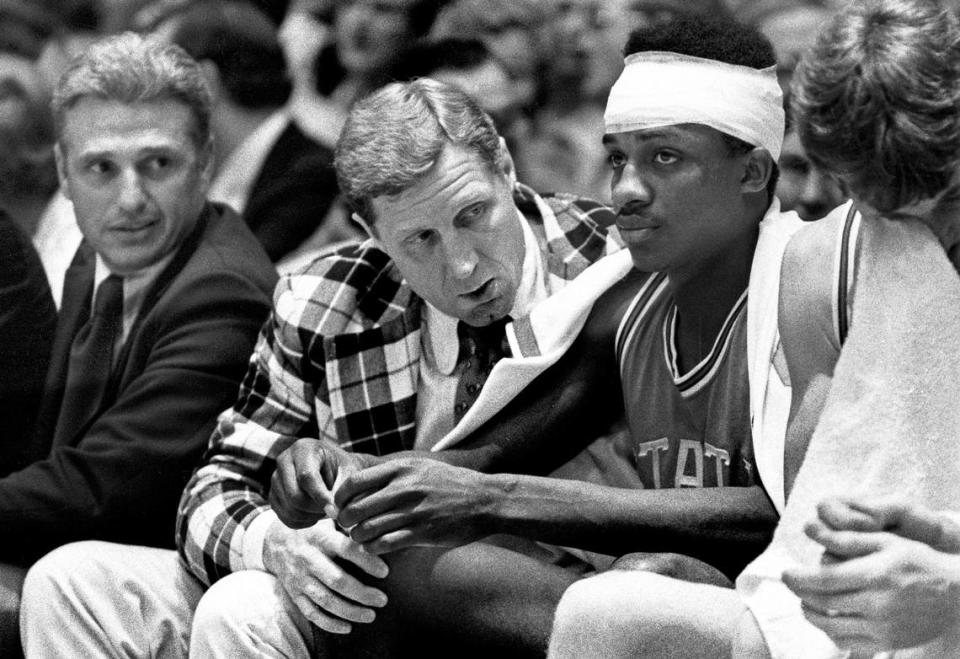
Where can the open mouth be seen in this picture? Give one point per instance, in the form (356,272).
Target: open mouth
(483,293)
(134,229)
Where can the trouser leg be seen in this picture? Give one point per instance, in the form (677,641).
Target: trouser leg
(99,599)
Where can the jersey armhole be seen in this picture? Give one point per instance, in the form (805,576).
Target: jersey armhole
(844,275)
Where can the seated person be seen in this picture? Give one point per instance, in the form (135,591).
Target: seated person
(280,180)
(803,186)
(161,308)
(668,343)
(364,349)
(869,316)
(27,321)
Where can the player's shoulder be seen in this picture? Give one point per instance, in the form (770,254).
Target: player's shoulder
(612,307)
(814,247)
(810,281)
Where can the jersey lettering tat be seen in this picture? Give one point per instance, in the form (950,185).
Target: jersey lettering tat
(688,429)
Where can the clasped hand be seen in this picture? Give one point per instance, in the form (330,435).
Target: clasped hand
(890,577)
(386,504)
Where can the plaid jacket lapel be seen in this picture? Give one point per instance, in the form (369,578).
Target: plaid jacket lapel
(372,373)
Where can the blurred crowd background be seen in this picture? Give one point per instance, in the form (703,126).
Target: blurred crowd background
(541,68)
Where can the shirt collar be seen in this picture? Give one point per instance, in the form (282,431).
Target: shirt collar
(442,343)
(135,286)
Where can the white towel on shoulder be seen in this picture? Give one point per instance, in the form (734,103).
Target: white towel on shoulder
(891,423)
(769,395)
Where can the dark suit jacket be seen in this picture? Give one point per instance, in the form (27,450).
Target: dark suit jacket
(292,193)
(27,321)
(118,474)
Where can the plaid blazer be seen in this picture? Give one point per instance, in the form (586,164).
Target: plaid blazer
(339,358)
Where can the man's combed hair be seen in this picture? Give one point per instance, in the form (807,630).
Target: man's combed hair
(878,100)
(394,136)
(131,69)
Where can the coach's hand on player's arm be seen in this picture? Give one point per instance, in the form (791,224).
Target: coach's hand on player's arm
(890,578)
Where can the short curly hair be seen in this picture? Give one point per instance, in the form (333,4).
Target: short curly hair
(877,101)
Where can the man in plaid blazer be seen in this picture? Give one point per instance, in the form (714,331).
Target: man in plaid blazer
(361,349)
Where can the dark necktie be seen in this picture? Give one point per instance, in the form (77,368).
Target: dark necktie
(91,355)
(480,349)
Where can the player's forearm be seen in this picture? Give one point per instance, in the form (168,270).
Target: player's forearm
(731,522)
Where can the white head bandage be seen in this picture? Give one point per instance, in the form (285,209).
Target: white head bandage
(664,89)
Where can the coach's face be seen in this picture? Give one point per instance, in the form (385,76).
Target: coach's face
(456,237)
(136,177)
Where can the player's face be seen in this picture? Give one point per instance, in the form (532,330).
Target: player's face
(456,237)
(135,176)
(803,187)
(678,198)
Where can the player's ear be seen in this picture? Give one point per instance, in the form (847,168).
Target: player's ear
(757,170)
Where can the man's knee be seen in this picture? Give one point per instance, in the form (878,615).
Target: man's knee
(236,600)
(55,577)
(247,612)
(581,616)
(676,566)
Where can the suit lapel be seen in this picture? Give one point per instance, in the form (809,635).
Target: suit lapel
(77,298)
(157,289)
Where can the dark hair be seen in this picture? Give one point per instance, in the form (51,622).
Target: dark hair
(242,42)
(877,101)
(717,38)
(423,14)
(427,57)
(27,167)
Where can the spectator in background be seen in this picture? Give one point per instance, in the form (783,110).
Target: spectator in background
(307,28)
(368,37)
(791,26)
(470,66)
(803,186)
(140,367)
(280,181)
(25,26)
(511,31)
(28,175)
(27,321)
(563,150)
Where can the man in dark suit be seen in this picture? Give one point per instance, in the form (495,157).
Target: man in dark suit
(27,321)
(281,181)
(161,309)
